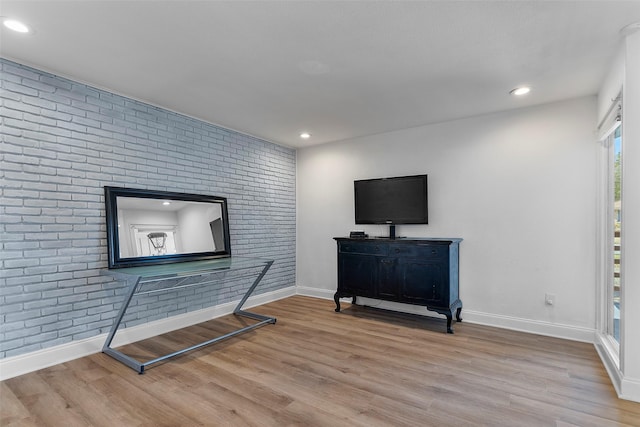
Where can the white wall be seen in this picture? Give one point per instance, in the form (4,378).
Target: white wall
(612,84)
(517,186)
(195,232)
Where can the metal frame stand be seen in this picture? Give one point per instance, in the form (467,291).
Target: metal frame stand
(134,282)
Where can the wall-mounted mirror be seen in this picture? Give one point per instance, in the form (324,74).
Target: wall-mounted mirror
(146,227)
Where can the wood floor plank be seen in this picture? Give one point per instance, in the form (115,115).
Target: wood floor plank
(13,410)
(78,393)
(316,367)
(46,407)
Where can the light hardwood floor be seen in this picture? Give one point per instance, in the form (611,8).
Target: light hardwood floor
(315,367)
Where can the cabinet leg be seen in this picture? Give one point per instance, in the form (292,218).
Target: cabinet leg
(336,298)
(449,328)
(458,318)
(353,300)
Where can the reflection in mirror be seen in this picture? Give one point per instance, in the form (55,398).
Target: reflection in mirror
(146,227)
(159,227)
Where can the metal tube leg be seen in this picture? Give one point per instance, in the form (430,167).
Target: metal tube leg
(139,366)
(125,304)
(252,288)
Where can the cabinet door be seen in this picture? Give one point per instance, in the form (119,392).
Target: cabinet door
(357,274)
(388,283)
(425,282)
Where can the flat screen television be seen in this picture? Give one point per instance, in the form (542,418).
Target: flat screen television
(397,200)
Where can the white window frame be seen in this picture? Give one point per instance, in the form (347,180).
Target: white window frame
(605,235)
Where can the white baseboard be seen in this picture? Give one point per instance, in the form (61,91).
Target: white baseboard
(610,361)
(630,389)
(573,333)
(315,292)
(24,363)
(21,364)
(568,332)
(626,388)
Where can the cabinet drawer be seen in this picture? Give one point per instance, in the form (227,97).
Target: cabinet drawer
(362,248)
(419,251)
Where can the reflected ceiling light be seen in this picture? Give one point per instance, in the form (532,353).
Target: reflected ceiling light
(16,26)
(305,135)
(519,91)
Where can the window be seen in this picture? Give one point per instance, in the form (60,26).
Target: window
(617,227)
(611,245)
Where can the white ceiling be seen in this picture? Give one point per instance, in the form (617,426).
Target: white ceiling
(334,68)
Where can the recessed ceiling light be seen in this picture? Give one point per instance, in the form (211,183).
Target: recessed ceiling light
(16,26)
(166,203)
(305,135)
(519,91)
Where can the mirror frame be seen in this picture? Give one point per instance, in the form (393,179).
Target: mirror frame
(111,195)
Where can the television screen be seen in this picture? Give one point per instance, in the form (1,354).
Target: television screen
(399,200)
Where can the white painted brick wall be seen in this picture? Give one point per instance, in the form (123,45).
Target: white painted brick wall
(62,142)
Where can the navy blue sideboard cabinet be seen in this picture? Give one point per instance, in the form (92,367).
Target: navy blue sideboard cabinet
(417,271)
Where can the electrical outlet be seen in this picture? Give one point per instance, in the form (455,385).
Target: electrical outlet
(549,299)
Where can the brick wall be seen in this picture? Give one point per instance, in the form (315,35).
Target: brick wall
(62,142)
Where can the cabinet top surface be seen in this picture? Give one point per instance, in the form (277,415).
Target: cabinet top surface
(191,268)
(401,239)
